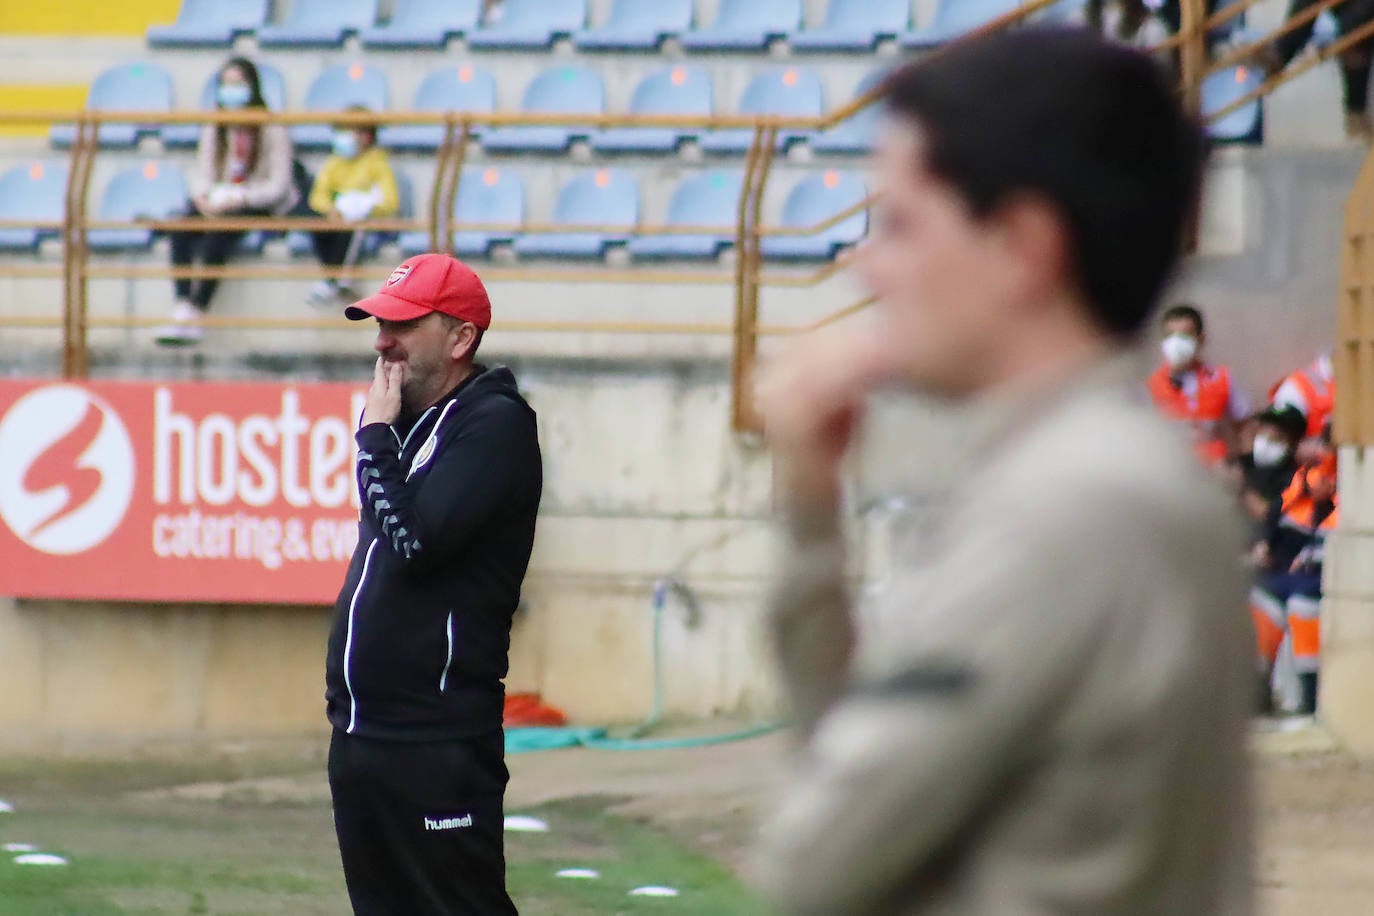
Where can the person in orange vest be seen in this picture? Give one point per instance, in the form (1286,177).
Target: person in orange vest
(1311,391)
(1188,390)
(1286,598)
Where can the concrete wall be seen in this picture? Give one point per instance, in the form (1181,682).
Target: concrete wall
(1347,664)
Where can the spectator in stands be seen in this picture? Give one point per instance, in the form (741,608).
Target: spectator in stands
(241,170)
(1311,391)
(1188,390)
(1268,468)
(355,183)
(1355,60)
(1286,598)
(1133,14)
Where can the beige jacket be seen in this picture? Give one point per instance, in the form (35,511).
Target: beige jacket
(269,186)
(1048,712)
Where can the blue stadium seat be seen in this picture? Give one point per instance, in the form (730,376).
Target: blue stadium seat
(855,25)
(1245,124)
(813,200)
(138,86)
(954,18)
(424,24)
(319,23)
(462,88)
(488,196)
(706,199)
(637,25)
(153,190)
(273,91)
(209,23)
(746,25)
(600,197)
(335,89)
(531,24)
(783,91)
(299,244)
(565,89)
(854,135)
(676,90)
(36,191)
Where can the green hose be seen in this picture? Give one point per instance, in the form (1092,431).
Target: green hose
(523,740)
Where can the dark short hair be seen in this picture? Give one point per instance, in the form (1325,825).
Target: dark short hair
(369,128)
(1287,419)
(1092,127)
(1185,313)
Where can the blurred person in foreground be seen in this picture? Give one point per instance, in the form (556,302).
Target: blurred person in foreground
(1048,714)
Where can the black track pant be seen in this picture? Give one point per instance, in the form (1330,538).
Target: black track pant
(213,249)
(420,825)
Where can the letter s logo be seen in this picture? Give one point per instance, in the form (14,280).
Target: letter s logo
(66,469)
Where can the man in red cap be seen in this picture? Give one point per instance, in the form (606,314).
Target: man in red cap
(450,475)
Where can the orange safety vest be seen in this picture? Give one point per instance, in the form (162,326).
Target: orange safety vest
(1320,396)
(1205,414)
(1297,503)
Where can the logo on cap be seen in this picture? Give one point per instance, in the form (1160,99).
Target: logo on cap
(398,275)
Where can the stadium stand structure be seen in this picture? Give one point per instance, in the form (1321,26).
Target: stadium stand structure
(136,86)
(423,24)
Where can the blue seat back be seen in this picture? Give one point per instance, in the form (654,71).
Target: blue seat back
(454,13)
(601,197)
(543,15)
(867,119)
(675,90)
(36,190)
(965,15)
(342,85)
(759,15)
(650,15)
(783,91)
(878,16)
(566,89)
(230,14)
(461,88)
(489,195)
(152,190)
(817,198)
(708,199)
(344,14)
(137,86)
(273,87)
(1224,87)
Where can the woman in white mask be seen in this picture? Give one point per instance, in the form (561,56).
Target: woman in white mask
(1199,396)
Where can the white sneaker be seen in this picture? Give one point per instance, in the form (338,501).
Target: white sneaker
(185,328)
(324,292)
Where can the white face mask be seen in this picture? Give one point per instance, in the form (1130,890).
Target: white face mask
(1179,350)
(1269,453)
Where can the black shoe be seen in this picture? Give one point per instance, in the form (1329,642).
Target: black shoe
(1264,695)
(1308,683)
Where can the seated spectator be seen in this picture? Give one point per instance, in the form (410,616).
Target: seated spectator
(1268,468)
(241,170)
(1133,14)
(1286,598)
(1192,392)
(355,183)
(1355,61)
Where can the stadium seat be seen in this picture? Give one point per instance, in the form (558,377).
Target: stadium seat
(153,190)
(565,89)
(856,134)
(335,89)
(36,191)
(637,25)
(138,86)
(489,196)
(424,24)
(600,197)
(676,90)
(531,24)
(299,244)
(954,18)
(855,25)
(319,23)
(785,92)
(209,23)
(273,91)
(1245,124)
(746,25)
(459,89)
(707,199)
(813,200)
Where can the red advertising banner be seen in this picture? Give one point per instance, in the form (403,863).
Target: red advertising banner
(195,492)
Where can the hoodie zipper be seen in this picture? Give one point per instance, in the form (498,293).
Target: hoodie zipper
(348,643)
(448,660)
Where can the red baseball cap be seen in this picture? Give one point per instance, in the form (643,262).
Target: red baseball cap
(427,283)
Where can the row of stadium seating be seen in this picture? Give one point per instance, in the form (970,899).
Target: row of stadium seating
(486,195)
(641,25)
(566,89)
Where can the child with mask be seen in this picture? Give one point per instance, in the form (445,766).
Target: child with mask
(355,183)
(1268,467)
(1194,393)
